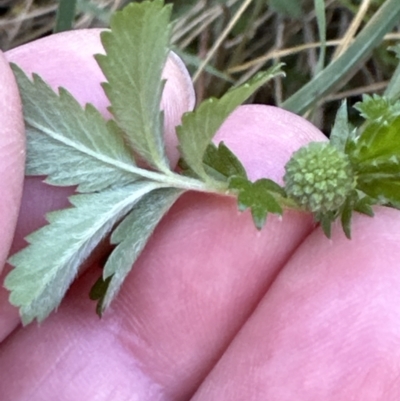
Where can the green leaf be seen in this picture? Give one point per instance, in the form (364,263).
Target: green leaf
(259,196)
(346,216)
(199,126)
(136,51)
(358,202)
(45,269)
(220,163)
(363,204)
(385,190)
(378,141)
(378,109)
(341,129)
(326,220)
(131,236)
(70,145)
(98,292)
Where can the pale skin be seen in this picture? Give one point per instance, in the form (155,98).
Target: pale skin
(213,310)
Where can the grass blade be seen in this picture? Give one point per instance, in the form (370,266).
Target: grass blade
(65,15)
(339,72)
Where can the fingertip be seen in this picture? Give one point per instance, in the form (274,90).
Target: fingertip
(66,59)
(178,98)
(330,320)
(12,156)
(264,138)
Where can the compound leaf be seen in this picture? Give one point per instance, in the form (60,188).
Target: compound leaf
(379,140)
(379,109)
(71,145)
(131,236)
(199,126)
(136,51)
(220,163)
(45,269)
(259,196)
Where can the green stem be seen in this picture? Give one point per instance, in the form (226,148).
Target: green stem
(171,179)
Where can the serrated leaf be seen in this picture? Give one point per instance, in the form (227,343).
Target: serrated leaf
(45,269)
(326,221)
(378,140)
(345,217)
(376,161)
(364,205)
(378,109)
(385,191)
(136,51)
(199,126)
(356,201)
(70,145)
(98,292)
(341,129)
(258,196)
(131,236)
(220,163)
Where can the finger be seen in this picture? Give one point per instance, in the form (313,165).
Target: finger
(201,275)
(66,60)
(328,329)
(12,157)
(271,136)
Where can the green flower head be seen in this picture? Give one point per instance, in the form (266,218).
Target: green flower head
(319,177)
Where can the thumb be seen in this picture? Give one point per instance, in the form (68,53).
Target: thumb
(12,157)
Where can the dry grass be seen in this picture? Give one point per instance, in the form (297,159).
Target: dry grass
(237,38)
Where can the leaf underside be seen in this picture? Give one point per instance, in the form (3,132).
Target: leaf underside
(136,51)
(131,236)
(72,145)
(45,269)
(68,144)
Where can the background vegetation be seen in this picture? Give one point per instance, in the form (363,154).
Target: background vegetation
(227,42)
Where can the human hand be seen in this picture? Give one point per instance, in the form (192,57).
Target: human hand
(213,307)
